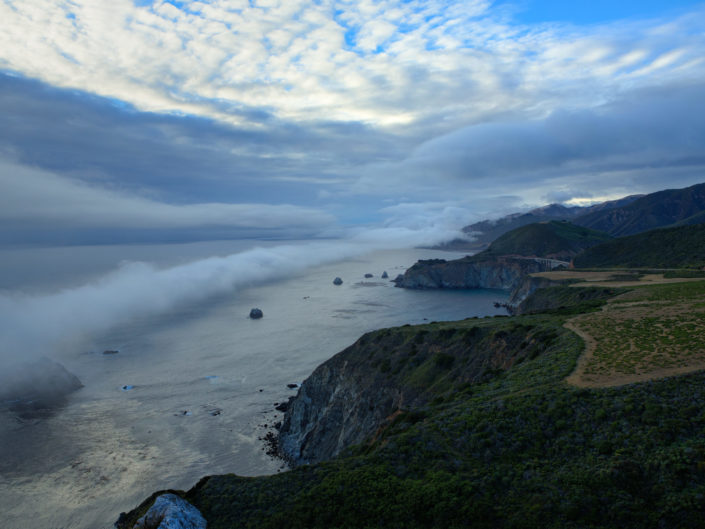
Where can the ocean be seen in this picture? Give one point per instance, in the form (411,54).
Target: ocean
(193,386)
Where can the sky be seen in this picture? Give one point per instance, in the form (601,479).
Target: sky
(127,121)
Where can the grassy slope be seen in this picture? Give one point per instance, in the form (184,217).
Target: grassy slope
(519,449)
(680,247)
(546,239)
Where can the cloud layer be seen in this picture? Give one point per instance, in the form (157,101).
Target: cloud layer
(180,115)
(385,63)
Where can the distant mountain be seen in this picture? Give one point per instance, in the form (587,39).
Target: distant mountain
(680,247)
(656,210)
(486,231)
(552,239)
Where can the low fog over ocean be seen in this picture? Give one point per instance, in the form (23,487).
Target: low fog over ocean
(195,380)
(165,166)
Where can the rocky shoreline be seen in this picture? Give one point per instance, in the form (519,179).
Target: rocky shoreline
(354,396)
(504,273)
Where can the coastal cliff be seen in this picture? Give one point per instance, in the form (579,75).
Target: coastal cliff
(473,420)
(361,390)
(505,273)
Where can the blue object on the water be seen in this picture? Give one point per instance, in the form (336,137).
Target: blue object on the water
(127,388)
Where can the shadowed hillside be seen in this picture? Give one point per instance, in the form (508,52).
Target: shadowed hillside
(681,247)
(656,210)
(485,430)
(554,239)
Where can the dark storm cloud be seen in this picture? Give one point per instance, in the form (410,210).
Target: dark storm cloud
(653,138)
(176,158)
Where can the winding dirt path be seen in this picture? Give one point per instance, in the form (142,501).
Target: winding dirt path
(689,361)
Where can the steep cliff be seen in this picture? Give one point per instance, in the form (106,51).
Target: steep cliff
(471,272)
(385,373)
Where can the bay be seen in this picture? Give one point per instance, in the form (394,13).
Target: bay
(192,390)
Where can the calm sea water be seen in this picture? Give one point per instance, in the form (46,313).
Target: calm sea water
(193,386)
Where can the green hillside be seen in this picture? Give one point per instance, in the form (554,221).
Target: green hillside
(486,231)
(557,239)
(516,447)
(680,247)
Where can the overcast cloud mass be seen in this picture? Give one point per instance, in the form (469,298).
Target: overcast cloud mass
(221,119)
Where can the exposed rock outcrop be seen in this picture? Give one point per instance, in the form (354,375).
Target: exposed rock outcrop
(339,405)
(359,391)
(171,512)
(256,314)
(527,286)
(470,272)
(337,281)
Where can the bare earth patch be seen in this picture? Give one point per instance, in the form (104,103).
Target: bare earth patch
(610,278)
(642,335)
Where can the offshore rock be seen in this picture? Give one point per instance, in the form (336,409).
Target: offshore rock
(256,314)
(171,512)
(385,275)
(337,281)
(505,273)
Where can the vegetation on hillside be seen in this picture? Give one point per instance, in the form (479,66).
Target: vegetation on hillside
(680,247)
(546,239)
(516,448)
(566,300)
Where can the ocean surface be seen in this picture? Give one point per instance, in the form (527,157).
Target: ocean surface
(193,386)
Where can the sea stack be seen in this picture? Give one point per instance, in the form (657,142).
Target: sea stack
(337,281)
(385,275)
(256,314)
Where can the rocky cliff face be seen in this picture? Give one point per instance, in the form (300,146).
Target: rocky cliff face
(387,373)
(339,405)
(470,272)
(527,286)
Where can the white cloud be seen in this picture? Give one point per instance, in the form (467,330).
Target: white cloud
(36,198)
(455,60)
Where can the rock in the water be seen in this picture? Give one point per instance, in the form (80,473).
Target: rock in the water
(111,352)
(337,281)
(292,386)
(283,406)
(385,275)
(368,276)
(171,512)
(256,314)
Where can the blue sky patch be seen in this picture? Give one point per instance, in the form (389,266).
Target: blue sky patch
(594,11)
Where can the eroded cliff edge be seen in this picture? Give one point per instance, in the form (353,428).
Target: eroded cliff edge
(357,393)
(472,272)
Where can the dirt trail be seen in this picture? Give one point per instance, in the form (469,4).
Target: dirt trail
(607,278)
(616,311)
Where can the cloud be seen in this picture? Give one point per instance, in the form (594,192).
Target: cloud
(386,63)
(647,136)
(337,106)
(177,157)
(37,199)
(44,323)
